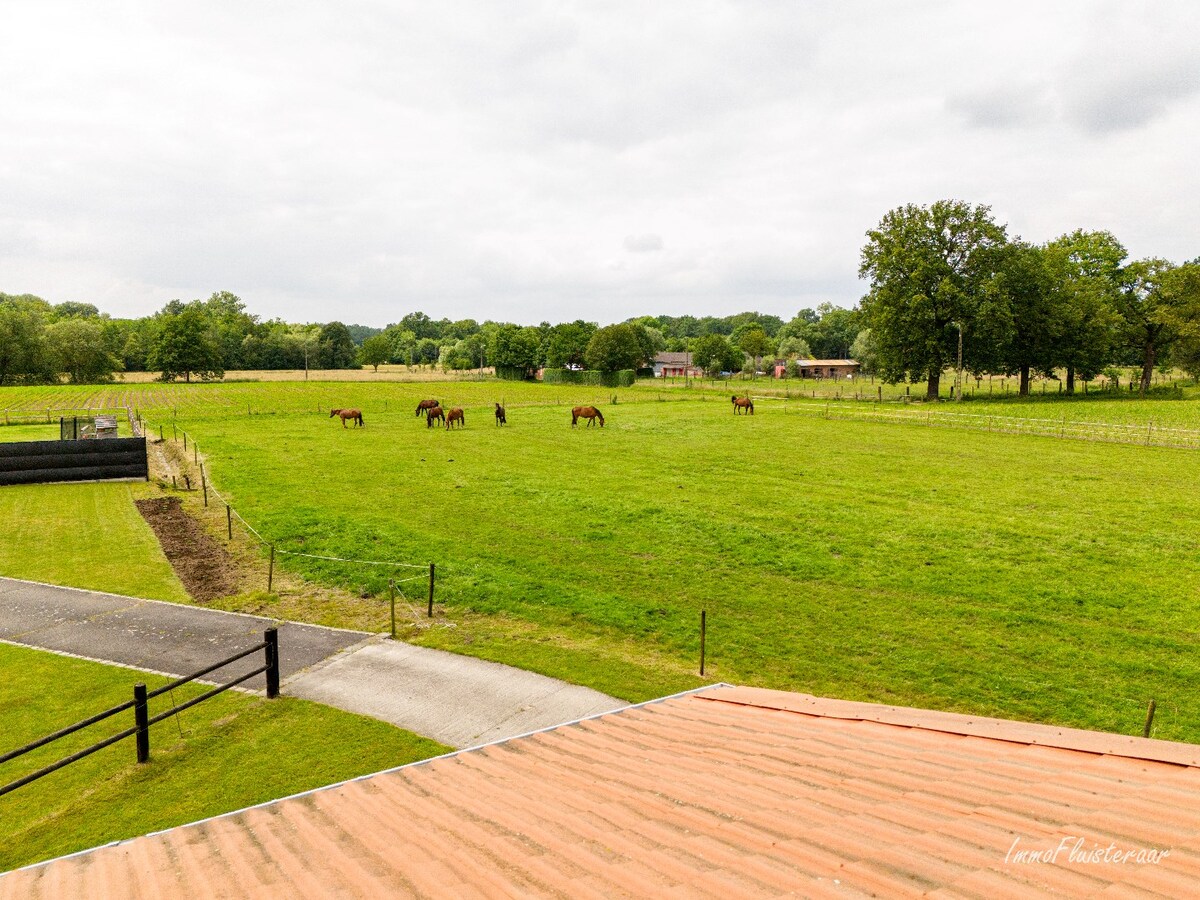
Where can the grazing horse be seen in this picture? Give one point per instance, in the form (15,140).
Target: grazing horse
(745,404)
(586,412)
(425,405)
(434,412)
(501,419)
(456,415)
(352,414)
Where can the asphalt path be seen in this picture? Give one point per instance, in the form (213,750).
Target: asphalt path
(167,638)
(458,700)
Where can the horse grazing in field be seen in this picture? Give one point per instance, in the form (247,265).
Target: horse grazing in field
(456,415)
(586,412)
(352,414)
(744,404)
(433,412)
(425,405)
(501,419)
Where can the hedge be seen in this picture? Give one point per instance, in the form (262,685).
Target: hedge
(623,378)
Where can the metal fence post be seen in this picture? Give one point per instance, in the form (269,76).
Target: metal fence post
(271,636)
(392,590)
(431,578)
(141,716)
(271,570)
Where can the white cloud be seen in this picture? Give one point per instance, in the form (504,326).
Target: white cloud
(484,159)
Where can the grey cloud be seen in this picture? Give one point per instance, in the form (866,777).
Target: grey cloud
(643,243)
(1123,100)
(1004,107)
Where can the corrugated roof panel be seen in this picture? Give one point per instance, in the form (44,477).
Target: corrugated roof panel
(731,792)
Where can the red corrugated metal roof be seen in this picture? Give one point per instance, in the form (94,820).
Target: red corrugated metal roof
(726,792)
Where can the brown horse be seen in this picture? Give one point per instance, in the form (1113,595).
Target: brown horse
(425,405)
(744,404)
(501,419)
(352,414)
(586,412)
(456,415)
(433,412)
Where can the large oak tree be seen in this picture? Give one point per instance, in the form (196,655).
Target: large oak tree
(929,266)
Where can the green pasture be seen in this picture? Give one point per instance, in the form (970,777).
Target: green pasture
(83,535)
(227,753)
(1025,577)
(39,432)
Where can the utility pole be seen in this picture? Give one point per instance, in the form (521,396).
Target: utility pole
(958,379)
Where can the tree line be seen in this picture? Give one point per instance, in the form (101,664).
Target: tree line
(947,275)
(941,277)
(41,342)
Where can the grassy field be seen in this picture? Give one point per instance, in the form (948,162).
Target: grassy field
(83,535)
(224,754)
(41,432)
(1026,577)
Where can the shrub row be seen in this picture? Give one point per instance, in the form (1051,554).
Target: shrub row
(623,378)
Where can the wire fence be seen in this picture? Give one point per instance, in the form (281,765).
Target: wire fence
(179,435)
(1149,434)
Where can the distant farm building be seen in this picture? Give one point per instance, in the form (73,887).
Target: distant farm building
(676,365)
(820,368)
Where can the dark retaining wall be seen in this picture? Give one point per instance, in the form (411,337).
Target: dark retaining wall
(38,462)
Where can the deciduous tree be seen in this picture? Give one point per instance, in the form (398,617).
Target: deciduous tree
(928,266)
(376,350)
(184,347)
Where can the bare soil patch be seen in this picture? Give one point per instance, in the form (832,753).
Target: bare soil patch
(203,565)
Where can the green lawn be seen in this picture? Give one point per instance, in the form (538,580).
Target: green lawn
(83,535)
(40,432)
(227,753)
(1033,578)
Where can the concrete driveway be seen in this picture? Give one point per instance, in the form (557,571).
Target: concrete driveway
(458,700)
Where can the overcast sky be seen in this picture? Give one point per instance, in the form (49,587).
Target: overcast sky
(550,161)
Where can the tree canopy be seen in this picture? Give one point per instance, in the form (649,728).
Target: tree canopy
(184,346)
(929,267)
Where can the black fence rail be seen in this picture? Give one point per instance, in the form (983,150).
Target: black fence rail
(142,718)
(40,462)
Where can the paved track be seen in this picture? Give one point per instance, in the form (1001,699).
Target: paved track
(458,700)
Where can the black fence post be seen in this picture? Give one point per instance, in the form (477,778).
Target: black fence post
(141,716)
(392,590)
(229,520)
(431,577)
(271,636)
(204,484)
(703,616)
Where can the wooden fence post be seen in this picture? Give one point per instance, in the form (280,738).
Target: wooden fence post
(204,484)
(229,520)
(1149,718)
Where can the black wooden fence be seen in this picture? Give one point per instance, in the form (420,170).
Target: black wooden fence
(141,717)
(39,462)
